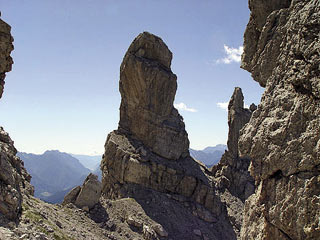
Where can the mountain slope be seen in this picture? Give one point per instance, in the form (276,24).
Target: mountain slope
(53,171)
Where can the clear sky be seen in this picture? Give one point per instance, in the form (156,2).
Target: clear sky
(63,90)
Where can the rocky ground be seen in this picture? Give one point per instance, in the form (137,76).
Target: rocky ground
(126,218)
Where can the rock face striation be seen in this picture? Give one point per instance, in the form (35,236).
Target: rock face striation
(148,88)
(14,179)
(6,47)
(282,139)
(87,195)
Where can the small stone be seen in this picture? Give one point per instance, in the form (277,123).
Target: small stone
(197,232)
(24,236)
(134,222)
(160,230)
(58,224)
(85,208)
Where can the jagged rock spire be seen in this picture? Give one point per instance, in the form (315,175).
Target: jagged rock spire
(238,116)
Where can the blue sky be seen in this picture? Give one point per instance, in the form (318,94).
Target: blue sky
(63,90)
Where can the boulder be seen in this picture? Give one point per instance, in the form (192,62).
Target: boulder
(86,196)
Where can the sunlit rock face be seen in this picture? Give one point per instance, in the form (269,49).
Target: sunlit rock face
(282,51)
(148,87)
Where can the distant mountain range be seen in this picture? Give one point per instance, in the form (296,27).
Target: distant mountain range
(210,155)
(53,172)
(90,162)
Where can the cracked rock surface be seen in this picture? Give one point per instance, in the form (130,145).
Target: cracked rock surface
(282,51)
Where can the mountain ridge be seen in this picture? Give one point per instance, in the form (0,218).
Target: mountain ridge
(53,171)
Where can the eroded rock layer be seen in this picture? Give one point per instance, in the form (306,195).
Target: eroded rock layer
(282,51)
(148,88)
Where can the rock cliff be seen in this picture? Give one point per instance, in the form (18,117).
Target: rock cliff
(282,51)
(14,179)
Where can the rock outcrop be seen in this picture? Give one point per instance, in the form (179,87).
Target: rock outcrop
(282,51)
(87,195)
(147,157)
(148,88)
(6,47)
(14,179)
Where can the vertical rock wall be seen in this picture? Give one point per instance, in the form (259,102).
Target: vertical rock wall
(282,51)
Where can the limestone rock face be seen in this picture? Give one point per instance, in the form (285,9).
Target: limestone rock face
(87,195)
(6,47)
(14,179)
(148,87)
(282,51)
